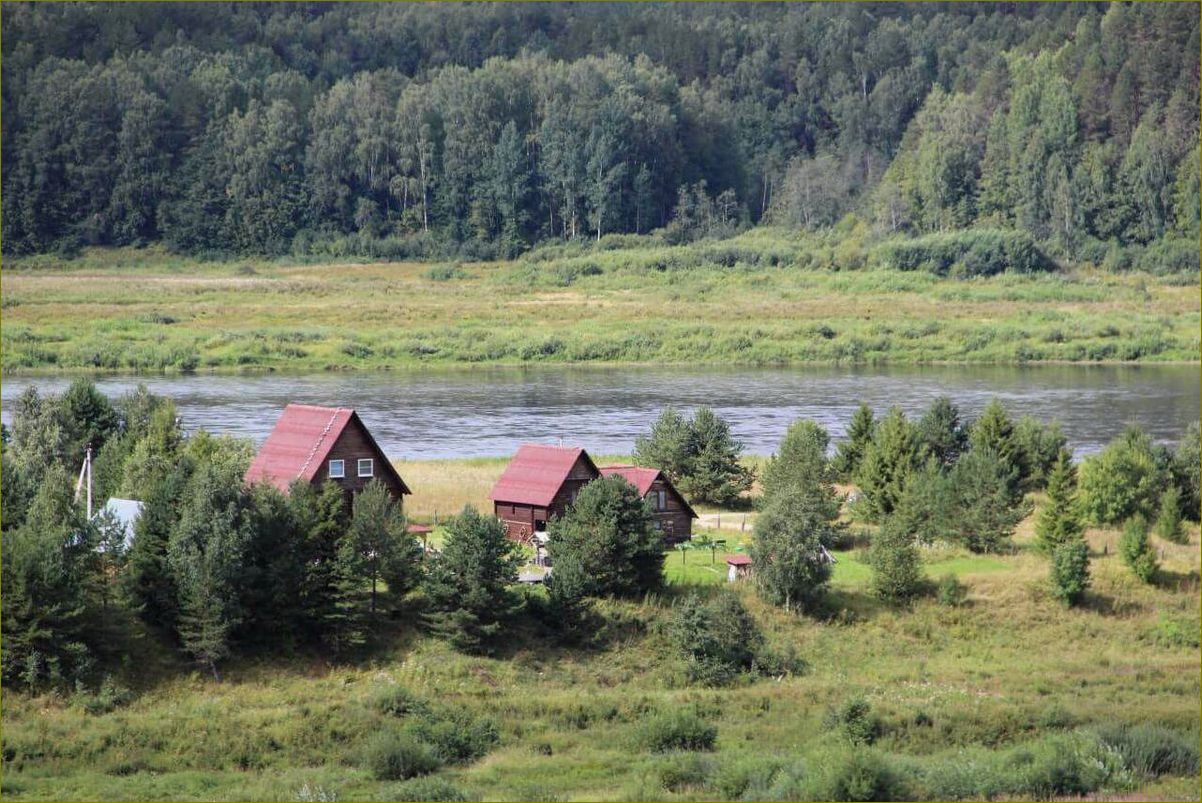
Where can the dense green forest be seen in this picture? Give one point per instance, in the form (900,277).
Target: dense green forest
(420,130)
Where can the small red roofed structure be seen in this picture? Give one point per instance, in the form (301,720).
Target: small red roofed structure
(323,444)
(673,514)
(739,566)
(538,484)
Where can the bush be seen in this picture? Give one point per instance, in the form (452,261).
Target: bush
(1152,750)
(457,737)
(1135,550)
(397,701)
(396,755)
(1060,765)
(445,273)
(109,697)
(684,770)
(1169,632)
(720,638)
(896,567)
(974,252)
(744,776)
(857,774)
(1070,571)
(855,721)
(1123,479)
(1168,522)
(676,730)
(431,789)
(950,591)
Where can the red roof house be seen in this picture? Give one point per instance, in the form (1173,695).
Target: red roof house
(673,514)
(539,483)
(323,444)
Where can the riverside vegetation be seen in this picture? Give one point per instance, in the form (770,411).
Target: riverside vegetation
(970,659)
(768,296)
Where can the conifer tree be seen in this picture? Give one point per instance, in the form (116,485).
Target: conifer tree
(1059,519)
(894,453)
(851,451)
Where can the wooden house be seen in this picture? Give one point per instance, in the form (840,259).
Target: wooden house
(539,483)
(323,444)
(673,514)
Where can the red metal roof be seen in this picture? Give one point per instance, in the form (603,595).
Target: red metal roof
(297,447)
(643,479)
(739,560)
(536,473)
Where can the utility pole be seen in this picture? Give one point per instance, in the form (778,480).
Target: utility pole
(85,475)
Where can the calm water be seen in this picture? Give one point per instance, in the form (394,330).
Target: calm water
(490,411)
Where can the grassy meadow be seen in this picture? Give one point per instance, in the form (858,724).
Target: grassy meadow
(1007,686)
(765,297)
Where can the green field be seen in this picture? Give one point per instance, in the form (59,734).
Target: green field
(764,297)
(1011,676)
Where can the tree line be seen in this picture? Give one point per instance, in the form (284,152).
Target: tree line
(414,130)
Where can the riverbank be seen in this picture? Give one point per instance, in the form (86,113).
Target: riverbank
(746,301)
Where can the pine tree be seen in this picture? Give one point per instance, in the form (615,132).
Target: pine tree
(851,451)
(716,474)
(468,583)
(1168,521)
(942,432)
(1070,570)
(995,431)
(1135,550)
(1059,519)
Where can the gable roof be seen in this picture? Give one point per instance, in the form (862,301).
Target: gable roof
(297,447)
(644,478)
(536,473)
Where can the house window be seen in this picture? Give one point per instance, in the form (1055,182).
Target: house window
(365,467)
(337,469)
(658,500)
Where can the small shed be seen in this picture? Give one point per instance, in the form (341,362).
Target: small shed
(738,567)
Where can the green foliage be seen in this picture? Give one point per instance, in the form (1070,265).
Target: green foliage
(942,433)
(855,774)
(397,701)
(678,729)
(393,755)
(950,592)
(1070,571)
(1136,551)
(1168,520)
(1152,750)
(605,545)
(994,431)
(896,566)
(456,736)
(801,465)
(429,789)
(467,585)
(986,507)
(789,560)
(894,453)
(698,455)
(1187,471)
(847,458)
(854,721)
(720,637)
(1059,520)
(964,254)
(1038,446)
(1125,479)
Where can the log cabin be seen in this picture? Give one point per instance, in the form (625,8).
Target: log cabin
(323,444)
(672,513)
(539,483)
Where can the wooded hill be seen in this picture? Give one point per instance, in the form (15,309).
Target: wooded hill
(418,130)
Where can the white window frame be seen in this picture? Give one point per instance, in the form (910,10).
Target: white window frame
(341,473)
(371,467)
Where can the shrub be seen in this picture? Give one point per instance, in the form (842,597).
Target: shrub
(854,720)
(720,638)
(1070,571)
(1135,550)
(974,252)
(1169,632)
(1123,479)
(744,776)
(456,737)
(1059,765)
(431,789)
(950,591)
(109,697)
(857,774)
(896,567)
(445,273)
(1168,522)
(1152,750)
(676,730)
(683,770)
(397,755)
(397,701)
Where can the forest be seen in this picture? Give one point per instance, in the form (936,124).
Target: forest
(409,131)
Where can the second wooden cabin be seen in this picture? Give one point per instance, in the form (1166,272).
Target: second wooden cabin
(540,483)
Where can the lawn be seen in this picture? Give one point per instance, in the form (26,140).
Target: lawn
(749,301)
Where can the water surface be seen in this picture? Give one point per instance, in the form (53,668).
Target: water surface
(490,411)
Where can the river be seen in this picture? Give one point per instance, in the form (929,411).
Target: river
(490,411)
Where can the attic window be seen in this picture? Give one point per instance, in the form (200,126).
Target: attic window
(337,469)
(365,467)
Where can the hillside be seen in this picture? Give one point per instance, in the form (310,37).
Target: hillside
(477,132)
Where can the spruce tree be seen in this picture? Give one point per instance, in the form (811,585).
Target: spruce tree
(1135,550)
(894,453)
(942,432)
(468,584)
(1168,520)
(851,451)
(1070,570)
(995,431)
(896,566)
(1059,519)
(715,474)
